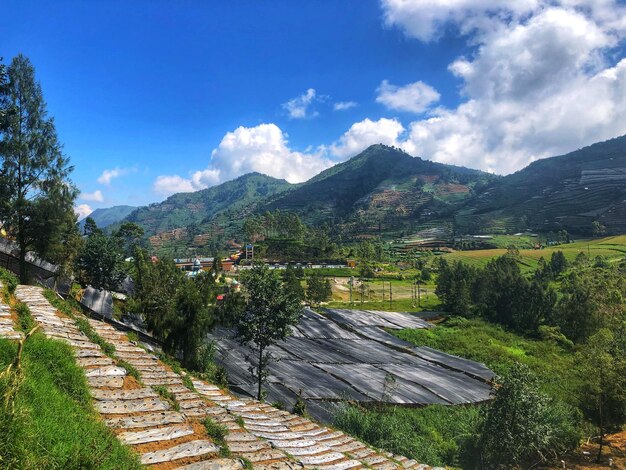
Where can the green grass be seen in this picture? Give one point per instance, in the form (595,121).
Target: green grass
(490,344)
(430,435)
(612,248)
(54,426)
(167,396)
(217,432)
(401,305)
(25,320)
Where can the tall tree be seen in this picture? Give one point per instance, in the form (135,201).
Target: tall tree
(603,382)
(129,235)
(270,312)
(34,170)
(318,289)
(101,263)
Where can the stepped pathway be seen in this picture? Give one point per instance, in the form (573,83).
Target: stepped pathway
(7,331)
(266,437)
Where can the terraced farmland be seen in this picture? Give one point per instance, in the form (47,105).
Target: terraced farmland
(161,415)
(612,248)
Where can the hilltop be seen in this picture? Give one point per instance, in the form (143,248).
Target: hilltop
(385,191)
(382,189)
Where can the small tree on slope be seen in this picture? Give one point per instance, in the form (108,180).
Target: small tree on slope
(270,312)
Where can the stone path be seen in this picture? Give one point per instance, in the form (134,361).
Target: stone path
(168,435)
(7,331)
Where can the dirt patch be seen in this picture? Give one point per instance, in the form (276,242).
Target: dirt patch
(130,383)
(584,458)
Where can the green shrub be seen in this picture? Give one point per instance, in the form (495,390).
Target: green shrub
(24,318)
(9,280)
(167,396)
(522,427)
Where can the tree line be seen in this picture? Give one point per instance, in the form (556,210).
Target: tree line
(580,306)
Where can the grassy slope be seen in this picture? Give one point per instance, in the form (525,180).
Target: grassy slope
(55,426)
(433,434)
(499,349)
(610,247)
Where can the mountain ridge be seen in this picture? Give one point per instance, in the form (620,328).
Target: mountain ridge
(384,190)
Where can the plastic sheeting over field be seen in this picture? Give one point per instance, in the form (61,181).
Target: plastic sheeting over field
(347,354)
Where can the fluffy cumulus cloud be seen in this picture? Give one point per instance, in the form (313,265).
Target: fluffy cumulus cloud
(300,106)
(96,196)
(545,77)
(365,133)
(263,149)
(108,175)
(171,184)
(414,97)
(82,211)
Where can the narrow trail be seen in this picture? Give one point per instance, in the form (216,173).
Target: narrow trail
(170,434)
(7,331)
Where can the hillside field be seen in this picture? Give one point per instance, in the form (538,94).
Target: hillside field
(612,248)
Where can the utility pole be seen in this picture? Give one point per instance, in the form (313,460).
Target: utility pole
(351,282)
(419,303)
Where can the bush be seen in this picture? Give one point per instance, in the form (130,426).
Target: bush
(522,427)
(9,280)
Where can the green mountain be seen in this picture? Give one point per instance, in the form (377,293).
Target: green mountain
(227,202)
(566,192)
(383,189)
(108,216)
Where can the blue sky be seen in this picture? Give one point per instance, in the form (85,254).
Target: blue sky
(153,97)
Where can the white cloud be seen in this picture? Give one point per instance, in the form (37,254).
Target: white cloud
(107,175)
(298,107)
(82,211)
(344,105)
(263,149)
(96,196)
(365,133)
(542,78)
(414,97)
(167,185)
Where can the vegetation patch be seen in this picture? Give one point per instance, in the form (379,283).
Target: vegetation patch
(9,283)
(433,434)
(53,425)
(499,349)
(167,396)
(218,433)
(24,318)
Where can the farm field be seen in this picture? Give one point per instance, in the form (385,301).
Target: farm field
(377,295)
(612,248)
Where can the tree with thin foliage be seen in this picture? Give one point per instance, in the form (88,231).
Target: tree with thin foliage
(318,289)
(270,312)
(602,394)
(129,236)
(35,191)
